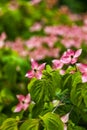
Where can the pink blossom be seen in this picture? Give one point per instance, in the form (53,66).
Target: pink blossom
(36,27)
(83,70)
(62,72)
(41,53)
(85,20)
(53,52)
(13,5)
(38,54)
(50,40)
(71,42)
(65,127)
(34,42)
(55,30)
(57,64)
(76,35)
(24,102)
(65,119)
(34,2)
(2,38)
(70,56)
(36,70)
(74,17)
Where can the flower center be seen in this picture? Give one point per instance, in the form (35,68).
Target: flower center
(71,56)
(35,70)
(23,102)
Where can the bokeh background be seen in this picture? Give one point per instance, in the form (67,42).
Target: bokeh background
(38,29)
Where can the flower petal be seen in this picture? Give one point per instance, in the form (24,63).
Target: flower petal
(73,60)
(18,108)
(70,52)
(25,106)
(34,64)
(30,74)
(41,67)
(65,127)
(27,98)
(20,97)
(82,67)
(62,72)
(84,78)
(57,64)
(65,118)
(65,59)
(38,75)
(78,53)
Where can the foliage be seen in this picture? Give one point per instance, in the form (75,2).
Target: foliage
(58,98)
(23,16)
(42,113)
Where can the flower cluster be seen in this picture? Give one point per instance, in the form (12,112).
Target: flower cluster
(71,36)
(68,58)
(48,45)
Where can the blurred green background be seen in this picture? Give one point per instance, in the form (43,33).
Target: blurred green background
(17,16)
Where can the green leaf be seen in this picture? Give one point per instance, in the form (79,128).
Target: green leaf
(70,69)
(45,89)
(67,80)
(56,79)
(32,124)
(42,90)
(84,115)
(76,128)
(79,95)
(72,126)
(84,93)
(31,83)
(48,68)
(3,117)
(6,96)
(9,124)
(10,71)
(52,122)
(76,78)
(76,96)
(37,110)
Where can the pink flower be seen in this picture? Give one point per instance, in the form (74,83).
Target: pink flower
(50,40)
(39,53)
(2,38)
(34,2)
(65,119)
(70,56)
(24,102)
(36,70)
(36,27)
(83,70)
(34,42)
(57,64)
(71,42)
(62,72)
(65,127)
